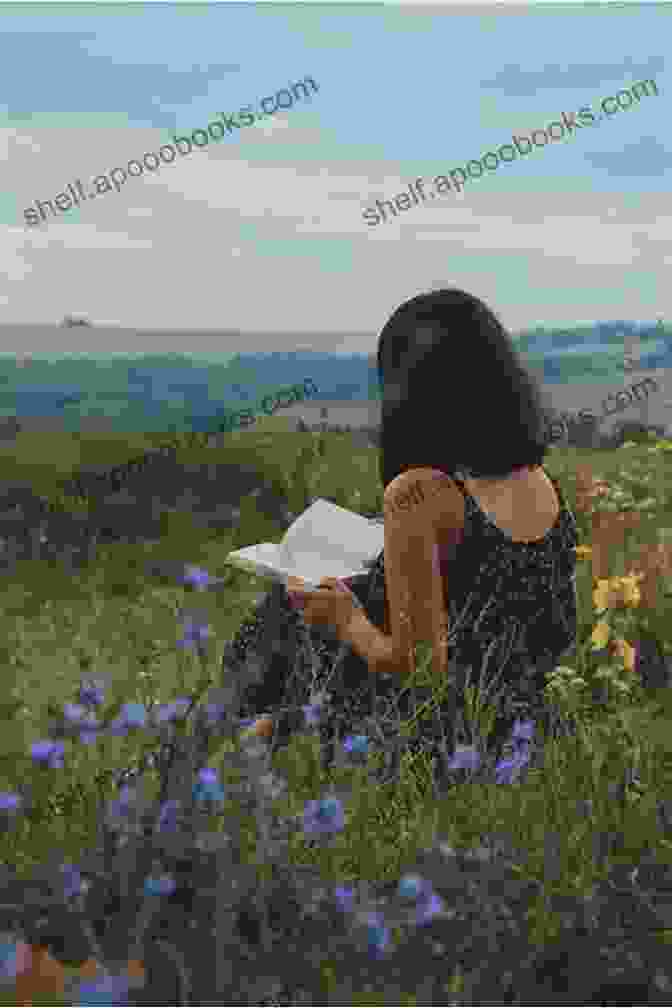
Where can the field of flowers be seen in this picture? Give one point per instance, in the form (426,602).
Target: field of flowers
(223,868)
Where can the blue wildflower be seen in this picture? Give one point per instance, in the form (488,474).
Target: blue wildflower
(344,896)
(163,885)
(208,786)
(358,744)
(168,816)
(323,816)
(89,728)
(73,712)
(110,990)
(196,632)
(134,715)
(92,694)
(465,758)
(377,935)
(48,753)
(312,714)
(198,578)
(10,801)
(411,886)
(72,880)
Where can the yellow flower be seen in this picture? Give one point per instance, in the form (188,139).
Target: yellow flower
(600,635)
(583,552)
(622,649)
(617,591)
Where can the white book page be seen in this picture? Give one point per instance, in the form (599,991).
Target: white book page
(331,538)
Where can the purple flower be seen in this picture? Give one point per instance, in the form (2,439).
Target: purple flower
(213,713)
(73,712)
(168,816)
(89,728)
(198,578)
(72,880)
(465,758)
(507,770)
(92,694)
(208,786)
(323,816)
(377,935)
(428,907)
(522,732)
(358,744)
(10,801)
(121,807)
(163,885)
(106,991)
(171,711)
(49,753)
(344,896)
(312,713)
(196,631)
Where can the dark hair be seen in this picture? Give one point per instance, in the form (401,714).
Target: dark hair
(454,393)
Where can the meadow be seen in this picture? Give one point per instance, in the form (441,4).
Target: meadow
(230,869)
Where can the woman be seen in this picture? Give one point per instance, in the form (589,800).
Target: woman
(479,554)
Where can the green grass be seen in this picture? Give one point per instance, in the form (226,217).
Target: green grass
(114,621)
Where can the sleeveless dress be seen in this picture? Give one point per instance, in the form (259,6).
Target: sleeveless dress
(513,615)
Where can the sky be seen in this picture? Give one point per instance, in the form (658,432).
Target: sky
(263,231)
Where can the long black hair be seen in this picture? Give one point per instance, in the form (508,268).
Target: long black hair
(455,394)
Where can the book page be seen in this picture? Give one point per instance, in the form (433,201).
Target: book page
(331,539)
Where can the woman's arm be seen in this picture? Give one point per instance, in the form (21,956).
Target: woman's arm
(416,506)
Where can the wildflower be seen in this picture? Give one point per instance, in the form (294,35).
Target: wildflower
(73,712)
(356,744)
(196,631)
(522,732)
(344,896)
(622,649)
(110,990)
(208,786)
(92,694)
(197,578)
(10,801)
(14,958)
(377,935)
(323,816)
(617,591)
(162,885)
(134,715)
(72,880)
(312,712)
(411,886)
(583,552)
(171,711)
(507,770)
(168,816)
(465,758)
(121,807)
(49,753)
(89,728)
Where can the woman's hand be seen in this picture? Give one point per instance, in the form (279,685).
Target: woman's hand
(331,604)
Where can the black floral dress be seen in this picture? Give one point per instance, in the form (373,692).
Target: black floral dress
(512,613)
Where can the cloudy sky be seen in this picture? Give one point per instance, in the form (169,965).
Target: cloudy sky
(263,230)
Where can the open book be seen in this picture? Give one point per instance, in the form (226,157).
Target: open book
(325,541)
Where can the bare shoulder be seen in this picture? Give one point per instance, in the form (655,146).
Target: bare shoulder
(422,490)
